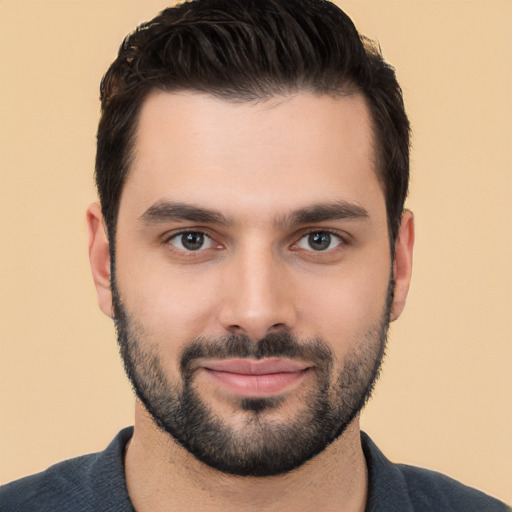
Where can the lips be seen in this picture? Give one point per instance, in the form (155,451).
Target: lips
(253,378)
(255,366)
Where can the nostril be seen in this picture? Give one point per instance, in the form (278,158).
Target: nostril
(278,326)
(255,333)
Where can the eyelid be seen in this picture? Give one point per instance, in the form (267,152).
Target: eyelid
(173,233)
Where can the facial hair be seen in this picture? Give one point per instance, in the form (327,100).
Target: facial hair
(263,447)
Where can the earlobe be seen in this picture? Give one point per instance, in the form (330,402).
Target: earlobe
(99,257)
(402,264)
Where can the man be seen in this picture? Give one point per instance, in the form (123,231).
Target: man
(252,247)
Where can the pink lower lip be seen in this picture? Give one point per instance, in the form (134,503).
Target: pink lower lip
(257,385)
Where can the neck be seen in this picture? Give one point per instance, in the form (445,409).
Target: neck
(161,475)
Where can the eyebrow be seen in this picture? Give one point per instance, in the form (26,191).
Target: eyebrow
(164,211)
(167,211)
(338,210)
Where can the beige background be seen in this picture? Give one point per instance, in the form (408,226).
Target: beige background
(445,398)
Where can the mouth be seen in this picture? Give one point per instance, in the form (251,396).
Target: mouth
(251,378)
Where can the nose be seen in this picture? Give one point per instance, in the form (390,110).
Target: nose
(258,295)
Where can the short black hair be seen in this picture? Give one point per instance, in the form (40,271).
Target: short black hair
(243,51)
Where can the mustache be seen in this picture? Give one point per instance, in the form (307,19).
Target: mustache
(277,344)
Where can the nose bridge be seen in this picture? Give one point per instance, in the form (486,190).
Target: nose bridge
(258,298)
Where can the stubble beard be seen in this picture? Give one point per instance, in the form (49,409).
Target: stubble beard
(261,446)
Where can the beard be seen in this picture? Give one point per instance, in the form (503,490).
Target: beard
(263,445)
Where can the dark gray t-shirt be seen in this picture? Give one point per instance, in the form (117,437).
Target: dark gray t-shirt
(96,482)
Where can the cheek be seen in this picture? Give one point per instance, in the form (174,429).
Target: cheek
(172,305)
(342,307)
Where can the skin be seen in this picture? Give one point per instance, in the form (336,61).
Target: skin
(256,164)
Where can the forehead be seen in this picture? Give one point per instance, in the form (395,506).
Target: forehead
(279,154)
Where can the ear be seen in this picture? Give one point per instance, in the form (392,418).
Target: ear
(99,257)
(402,264)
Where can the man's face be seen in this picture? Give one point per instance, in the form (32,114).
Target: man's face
(252,274)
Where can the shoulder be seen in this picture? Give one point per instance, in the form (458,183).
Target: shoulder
(86,483)
(403,488)
(60,487)
(430,490)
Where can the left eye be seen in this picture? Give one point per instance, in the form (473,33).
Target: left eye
(191,241)
(319,241)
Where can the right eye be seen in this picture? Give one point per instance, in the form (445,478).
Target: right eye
(191,241)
